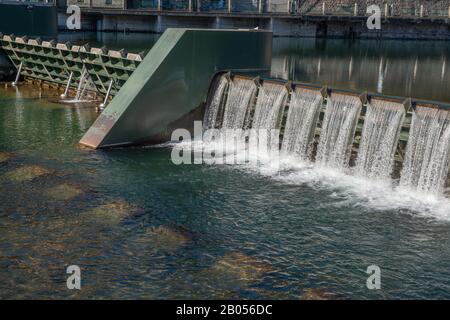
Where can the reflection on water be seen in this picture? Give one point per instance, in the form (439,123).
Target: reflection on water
(135,42)
(420,69)
(141,227)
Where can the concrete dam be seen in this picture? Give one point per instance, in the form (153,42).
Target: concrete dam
(371,135)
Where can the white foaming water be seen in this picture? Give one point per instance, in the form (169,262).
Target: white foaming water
(427,159)
(378,144)
(239,96)
(347,190)
(379,139)
(367,194)
(338,130)
(304,110)
(267,116)
(213,111)
(271,98)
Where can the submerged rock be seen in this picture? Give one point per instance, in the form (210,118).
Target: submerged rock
(168,238)
(63,191)
(4,156)
(26,173)
(112,212)
(317,294)
(242,266)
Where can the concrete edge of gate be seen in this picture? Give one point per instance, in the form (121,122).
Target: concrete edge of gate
(172,82)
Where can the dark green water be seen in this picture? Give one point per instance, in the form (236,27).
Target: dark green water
(142,227)
(418,69)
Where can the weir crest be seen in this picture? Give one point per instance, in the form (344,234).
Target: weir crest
(381,138)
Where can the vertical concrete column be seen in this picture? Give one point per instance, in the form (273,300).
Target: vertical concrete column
(323,8)
(190,5)
(356,9)
(260,8)
(288,9)
(159,5)
(421,10)
(229,6)
(386,13)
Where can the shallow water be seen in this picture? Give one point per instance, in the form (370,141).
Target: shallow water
(142,227)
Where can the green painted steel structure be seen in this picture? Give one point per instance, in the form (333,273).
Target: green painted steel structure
(169,87)
(58,63)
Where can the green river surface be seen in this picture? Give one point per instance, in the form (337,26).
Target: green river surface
(140,226)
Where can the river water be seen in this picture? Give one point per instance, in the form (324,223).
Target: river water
(141,227)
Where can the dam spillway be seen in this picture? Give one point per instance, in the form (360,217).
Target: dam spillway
(368,135)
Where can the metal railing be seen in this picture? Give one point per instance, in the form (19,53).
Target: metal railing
(40,2)
(389,8)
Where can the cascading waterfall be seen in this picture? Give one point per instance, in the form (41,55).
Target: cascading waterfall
(338,130)
(425,164)
(239,95)
(271,98)
(427,159)
(304,110)
(379,139)
(213,111)
(267,118)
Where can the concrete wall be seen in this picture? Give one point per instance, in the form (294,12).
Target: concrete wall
(80,3)
(116,4)
(28,19)
(277,5)
(289,26)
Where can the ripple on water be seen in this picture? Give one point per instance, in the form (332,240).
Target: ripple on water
(112,213)
(167,238)
(317,294)
(26,173)
(5,156)
(242,266)
(63,191)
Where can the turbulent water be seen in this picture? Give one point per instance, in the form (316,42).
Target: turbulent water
(239,96)
(140,226)
(271,98)
(264,138)
(427,158)
(337,132)
(379,139)
(215,105)
(304,109)
(426,163)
